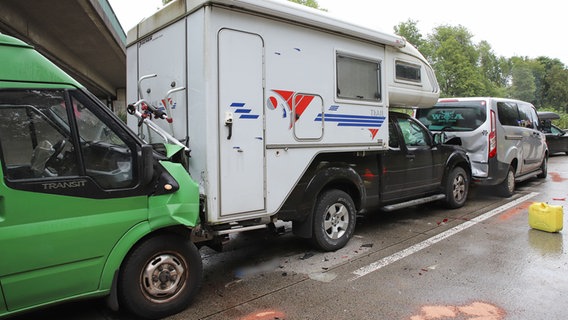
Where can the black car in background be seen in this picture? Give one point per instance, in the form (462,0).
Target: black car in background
(556,138)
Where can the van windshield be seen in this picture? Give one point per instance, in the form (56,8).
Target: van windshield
(453,116)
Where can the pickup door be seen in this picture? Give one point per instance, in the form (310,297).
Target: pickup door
(413,166)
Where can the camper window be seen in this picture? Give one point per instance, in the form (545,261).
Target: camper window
(408,72)
(358,78)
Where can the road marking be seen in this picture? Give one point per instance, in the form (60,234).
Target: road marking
(437,238)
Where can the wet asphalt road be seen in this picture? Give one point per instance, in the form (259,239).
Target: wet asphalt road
(482,261)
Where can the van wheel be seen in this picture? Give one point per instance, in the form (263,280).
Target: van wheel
(543,168)
(457,187)
(507,187)
(334,220)
(160,277)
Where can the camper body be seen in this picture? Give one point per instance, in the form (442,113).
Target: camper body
(276,101)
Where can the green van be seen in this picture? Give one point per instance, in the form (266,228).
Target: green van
(87,209)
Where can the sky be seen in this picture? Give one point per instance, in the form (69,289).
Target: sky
(511,27)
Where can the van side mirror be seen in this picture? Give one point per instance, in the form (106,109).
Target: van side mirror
(147,163)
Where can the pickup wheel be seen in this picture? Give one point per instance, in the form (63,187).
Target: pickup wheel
(334,220)
(457,187)
(507,187)
(160,277)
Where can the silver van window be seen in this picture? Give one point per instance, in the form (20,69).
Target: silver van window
(508,113)
(453,116)
(527,116)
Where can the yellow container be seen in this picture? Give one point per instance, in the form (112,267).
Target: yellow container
(545,217)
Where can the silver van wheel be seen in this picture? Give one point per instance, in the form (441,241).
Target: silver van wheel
(507,187)
(543,169)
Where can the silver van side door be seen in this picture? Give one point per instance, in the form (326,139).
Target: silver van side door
(534,141)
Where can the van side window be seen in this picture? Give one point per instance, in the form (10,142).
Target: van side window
(407,72)
(528,117)
(508,113)
(107,159)
(35,141)
(38,140)
(357,78)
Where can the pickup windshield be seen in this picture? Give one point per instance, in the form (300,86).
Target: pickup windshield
(453,116)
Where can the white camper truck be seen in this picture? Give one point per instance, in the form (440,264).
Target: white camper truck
(284,110)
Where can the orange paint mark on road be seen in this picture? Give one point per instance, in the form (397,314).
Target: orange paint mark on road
(473,311)
(514,211)
(265,315)
(556,177)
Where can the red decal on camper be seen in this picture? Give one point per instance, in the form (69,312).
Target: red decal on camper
(373,133)
(287,96)
(301,101)
(272,103)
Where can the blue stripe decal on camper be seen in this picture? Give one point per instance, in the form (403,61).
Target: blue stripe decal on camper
(249,116)
(349,120)
(244,112)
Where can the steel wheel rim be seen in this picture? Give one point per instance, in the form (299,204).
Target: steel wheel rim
(163,277)
(336,221)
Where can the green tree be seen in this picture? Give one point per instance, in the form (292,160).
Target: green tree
(491,68)
(410,32)
(454,58)
(523,81)
(552,86)
(557,95)
(309,3)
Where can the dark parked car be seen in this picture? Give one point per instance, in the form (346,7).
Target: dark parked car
(556,138)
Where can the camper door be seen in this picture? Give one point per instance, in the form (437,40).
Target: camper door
(241,134)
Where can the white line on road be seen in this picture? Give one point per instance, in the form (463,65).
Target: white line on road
(437,238)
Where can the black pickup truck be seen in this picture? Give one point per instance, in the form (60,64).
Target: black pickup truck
(417,168)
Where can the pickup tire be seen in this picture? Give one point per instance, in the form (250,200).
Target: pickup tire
(457,187)
(334,220)
(160,277)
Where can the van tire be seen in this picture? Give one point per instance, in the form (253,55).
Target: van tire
(543,168)
(507,188)
(160,277)
(334,220)
(457,187)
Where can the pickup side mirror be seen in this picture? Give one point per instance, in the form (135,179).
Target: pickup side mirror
(439,138)
(442,138)
(147,163)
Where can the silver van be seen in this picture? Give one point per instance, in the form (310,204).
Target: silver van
(501,136)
